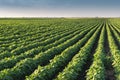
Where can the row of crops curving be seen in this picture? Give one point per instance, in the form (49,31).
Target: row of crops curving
(60,49)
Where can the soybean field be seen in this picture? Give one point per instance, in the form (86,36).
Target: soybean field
(59,49)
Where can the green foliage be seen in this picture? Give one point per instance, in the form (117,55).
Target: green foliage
(47,49)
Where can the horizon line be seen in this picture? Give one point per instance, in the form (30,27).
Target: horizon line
(61,17)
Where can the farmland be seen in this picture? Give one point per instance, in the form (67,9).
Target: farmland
(60,49)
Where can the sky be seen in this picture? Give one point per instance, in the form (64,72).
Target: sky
(59,8)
